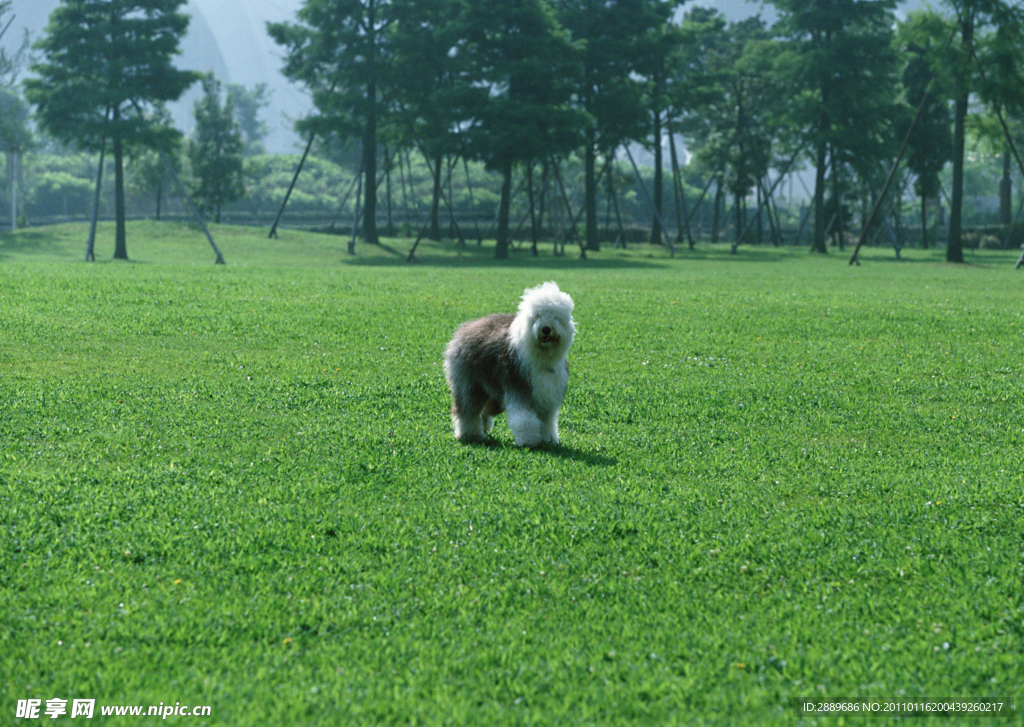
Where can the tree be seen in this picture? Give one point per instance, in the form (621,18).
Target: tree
(147,170)
(658,46)
(11,63)
(105,63)
(429,85)
(922,37)
(15,137)
(215,150)
(15,133)
(974,19)
(612,34)
(526,63)
(735,103)
(247,104)
(1001,63)
(840,63)
(339,51)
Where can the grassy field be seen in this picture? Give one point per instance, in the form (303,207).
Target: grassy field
(782,480)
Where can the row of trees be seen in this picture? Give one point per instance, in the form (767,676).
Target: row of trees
(834,84)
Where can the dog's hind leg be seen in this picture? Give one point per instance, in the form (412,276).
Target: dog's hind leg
(491,409)
(467,413)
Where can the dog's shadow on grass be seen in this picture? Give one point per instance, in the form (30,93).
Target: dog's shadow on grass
(561,451)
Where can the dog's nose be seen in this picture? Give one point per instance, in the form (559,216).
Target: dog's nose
(546,330)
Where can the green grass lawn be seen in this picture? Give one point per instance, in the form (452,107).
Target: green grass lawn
(782,480)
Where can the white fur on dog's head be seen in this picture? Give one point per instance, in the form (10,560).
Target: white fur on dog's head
(543,326)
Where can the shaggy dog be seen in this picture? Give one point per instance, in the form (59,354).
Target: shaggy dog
(514,363)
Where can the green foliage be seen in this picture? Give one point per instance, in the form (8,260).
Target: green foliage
(737,125)
(237,486)
(215,151)
(318,189)
(526,61)
(247,104)
(339,51)
(105,64)
(11,63)
(15,134)
(923,38)
(527,64)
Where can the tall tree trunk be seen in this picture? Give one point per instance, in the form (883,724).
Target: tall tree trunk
(501,244)
(542,207)
(818,243)
(435,202)
(370,174)
(716,218)
(656,232)
(533,214)
(760,217)
(838,229)
(741,215)
(590,189)
(90,244)
(1006,193)
(12,168)
(924,222)
(679,192)
(387,190)
(355,217)
(120,237)
(955,246)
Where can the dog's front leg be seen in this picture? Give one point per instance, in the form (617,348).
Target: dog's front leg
(549,429)
(526,426)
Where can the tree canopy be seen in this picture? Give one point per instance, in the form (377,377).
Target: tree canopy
(104,64)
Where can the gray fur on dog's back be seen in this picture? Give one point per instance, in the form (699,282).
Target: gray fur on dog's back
(481,366)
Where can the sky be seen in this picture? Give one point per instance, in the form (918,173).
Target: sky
(229,37)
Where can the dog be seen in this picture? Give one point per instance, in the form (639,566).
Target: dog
(513,363)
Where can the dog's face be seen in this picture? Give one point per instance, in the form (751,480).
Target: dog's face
(551,327)
(543,327)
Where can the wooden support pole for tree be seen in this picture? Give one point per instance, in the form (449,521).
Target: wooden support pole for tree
(533,213)
(405,196)
(191,205)
(650,201)
(803,223)
(288,194)
(1013,149)
(618,211)
(568,210)
(426,225)
(680,193)
(896,164)
(757,215)
(184,192)
(348,193)
(90,255)
(700,199)
(449,203)
(4,31)
(355,219)
(472,202)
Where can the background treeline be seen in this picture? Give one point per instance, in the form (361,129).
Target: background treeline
(525,120)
